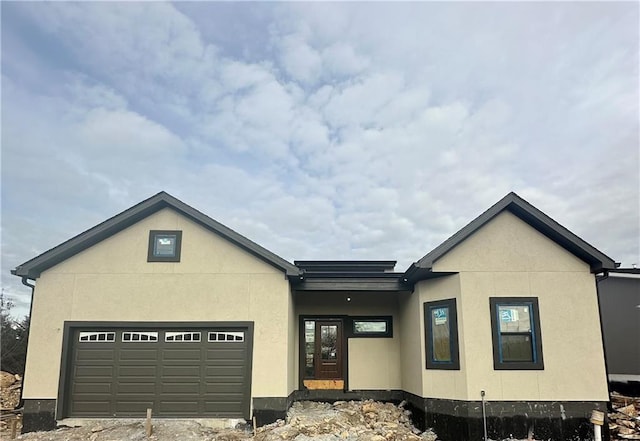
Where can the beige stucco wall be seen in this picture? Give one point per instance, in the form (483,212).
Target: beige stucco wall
(411,343)
(443,383)
(112,281)
(508,258)
(374,363)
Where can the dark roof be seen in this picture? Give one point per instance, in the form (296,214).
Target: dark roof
(532,216)
(625,271)
(34,267)
(345,267)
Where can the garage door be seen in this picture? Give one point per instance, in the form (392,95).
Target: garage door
(203,372)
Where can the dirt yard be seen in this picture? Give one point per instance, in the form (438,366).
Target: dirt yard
(306,421)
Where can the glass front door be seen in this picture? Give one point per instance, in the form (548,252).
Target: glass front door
(323,349)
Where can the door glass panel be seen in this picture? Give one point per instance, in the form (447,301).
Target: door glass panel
(329,337)
(309,348)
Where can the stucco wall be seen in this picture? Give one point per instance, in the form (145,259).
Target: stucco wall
(374,363)
(509,258)
(411,343)
(112,281)
(443,383)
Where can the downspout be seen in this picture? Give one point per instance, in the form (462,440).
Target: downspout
(25,282)
(599,279)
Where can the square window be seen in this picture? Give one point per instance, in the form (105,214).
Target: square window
(164,246)
(441,334)
(517,340)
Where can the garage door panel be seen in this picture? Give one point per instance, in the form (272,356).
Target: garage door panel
(181,353)
(89,373)
(231,387)
(188,387)
(95,355)
(176,406)
(139,354)
(180,371)
(226,371)
(91,407)
(131,407)
(175,378)
(137,388)
(93,388)
(138,371)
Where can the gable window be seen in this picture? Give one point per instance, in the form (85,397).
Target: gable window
(164,246)
(372,326)
(515,326)
(441,334)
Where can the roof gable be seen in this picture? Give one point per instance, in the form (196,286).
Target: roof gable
(34,267)
(513,203)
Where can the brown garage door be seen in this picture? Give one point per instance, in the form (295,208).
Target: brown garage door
(176,372)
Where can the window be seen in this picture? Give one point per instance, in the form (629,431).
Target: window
(134,336)
(515,326)
(441,334)
(164,246)
(226,336)
(102,337)
(182,336)
(372,326)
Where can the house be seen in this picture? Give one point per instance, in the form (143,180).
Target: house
(162,307)
(619,296)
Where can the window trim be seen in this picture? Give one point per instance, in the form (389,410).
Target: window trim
(532,302)
(388,319)
(454,364)
(151,257)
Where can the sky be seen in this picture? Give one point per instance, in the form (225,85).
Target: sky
(319,130)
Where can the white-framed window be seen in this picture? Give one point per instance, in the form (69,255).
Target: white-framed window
(99,337)
(137,336)
(182,336)
(226,336)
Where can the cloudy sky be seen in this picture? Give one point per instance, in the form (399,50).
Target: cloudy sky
(319,130)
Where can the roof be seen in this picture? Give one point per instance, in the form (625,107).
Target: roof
(513,203)
(34,267)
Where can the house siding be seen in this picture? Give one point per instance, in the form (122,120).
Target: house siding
(112,281)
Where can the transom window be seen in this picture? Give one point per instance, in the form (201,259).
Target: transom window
(102,337)
(182,336)
(226,336)
(135,336)
(372,326)
(441,334)
(164,246)
(516,333)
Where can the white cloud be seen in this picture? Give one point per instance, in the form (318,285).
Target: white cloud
(346,132)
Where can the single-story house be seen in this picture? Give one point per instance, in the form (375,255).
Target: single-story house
(162,307)
(619,295)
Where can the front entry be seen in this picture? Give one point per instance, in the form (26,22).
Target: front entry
(323,353)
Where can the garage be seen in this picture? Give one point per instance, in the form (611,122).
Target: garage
(185,371)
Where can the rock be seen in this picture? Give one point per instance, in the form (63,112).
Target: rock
(6,379)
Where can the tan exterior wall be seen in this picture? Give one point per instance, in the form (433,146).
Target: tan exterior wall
(509,258)
(112,281)
(374,363)
(411,343)
(443,383)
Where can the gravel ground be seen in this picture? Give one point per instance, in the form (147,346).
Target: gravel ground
(306,421)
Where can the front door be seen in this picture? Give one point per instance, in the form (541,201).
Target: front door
(323,353)
(328,350)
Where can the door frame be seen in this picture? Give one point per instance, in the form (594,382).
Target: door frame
(343,319)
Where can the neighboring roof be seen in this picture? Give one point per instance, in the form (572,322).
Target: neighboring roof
(34,267)
(625,271)
(527,213)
